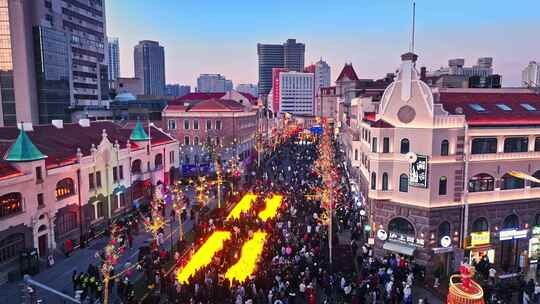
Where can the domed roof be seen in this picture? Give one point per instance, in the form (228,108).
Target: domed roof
(126,96)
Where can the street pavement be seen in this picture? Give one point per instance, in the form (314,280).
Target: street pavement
(59,276)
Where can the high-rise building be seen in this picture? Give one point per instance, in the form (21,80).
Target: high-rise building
(84,26)
(149,59)
(248,88)
(177,90)
(213,83)
(114,61)
(289,55)
(322,75)
(296,95)
(530,77)
(293,54)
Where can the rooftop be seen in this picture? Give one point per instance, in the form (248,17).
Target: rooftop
(206,105)
(347,72)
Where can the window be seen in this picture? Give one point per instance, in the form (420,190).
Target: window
(401,226)
(64,188)
(504,107)
(355,154)
(528,107)
(186,124)
(481,182)
(98,179)
(374,145)
(91,184)
(10,204)
(10,247)
(403,183)
(39,175)
(172,124)
(509,182)
(217,141)
(444,148)
(537,144)
(186,140)
(537,175)
(158,161)
(480,224)
(218,124)
(444,229)
(66,222)
(386,145)
(385,181)
(484,145)
(171,157)
(100,209)
(196,140)
(121,172)
(115,174)
(477,107)
(404,148)
(196,124)
(516,144)
(443,181)
(208,124)
(373,180)
(40,201)
(136,167)
(511,221)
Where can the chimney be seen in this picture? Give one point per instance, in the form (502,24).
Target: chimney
(84,122)
(58,123)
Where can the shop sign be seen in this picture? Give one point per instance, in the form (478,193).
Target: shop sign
(406,239)
(418,172)
(367,228)
(536,230)
(513,234)
(480,238)
(382,235)
(446,241)
(371,241)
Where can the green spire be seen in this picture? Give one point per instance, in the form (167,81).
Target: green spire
(138,133)
(24,150)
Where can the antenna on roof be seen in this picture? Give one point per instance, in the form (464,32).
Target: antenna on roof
(411,49)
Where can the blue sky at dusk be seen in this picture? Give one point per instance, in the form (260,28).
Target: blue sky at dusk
(221,36)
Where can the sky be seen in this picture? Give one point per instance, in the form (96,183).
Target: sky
(219,36)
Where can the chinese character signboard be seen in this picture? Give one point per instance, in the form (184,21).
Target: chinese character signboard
(418,172)
(479,238)
(405,239)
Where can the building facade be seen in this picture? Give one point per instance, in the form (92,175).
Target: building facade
(326,103)
(530,77)
(294,55)
(248,88)
(149,58)
(322,75)
(296,93)
(177,90)
(213,83)
(59,182)
(420,155)
(132,85)
(114,61)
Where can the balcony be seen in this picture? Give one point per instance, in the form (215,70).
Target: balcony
(503,195)
(505,156)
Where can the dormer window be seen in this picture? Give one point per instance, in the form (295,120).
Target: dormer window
(504,107)
(477,107)
(528,107)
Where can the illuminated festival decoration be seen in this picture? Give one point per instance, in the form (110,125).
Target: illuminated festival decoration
(467,291)
(272,205)
(204,255)
(243,206)
(251,251)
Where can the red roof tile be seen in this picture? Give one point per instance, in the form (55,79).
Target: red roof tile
(460,103)
(199,96)
(252,99)
(210,105)
(347,71)
(310,69)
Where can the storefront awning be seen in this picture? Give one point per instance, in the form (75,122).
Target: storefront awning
(399,248)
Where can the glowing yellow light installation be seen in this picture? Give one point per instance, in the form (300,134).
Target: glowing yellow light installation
(251,251)
(242,206)
(204,255)
(272,206)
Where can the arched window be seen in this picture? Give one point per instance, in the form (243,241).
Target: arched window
(100,209)
(10,247)
(158,161)
(481,182)
(403,183)
(510,182)
(511,221)
(64,188)
(444,147)
(401,226)
(537,175)
(404,147)
(480,224)
(10,204)
(444,229)
(136,167)
(443,181)
(385,181)
(373,180)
